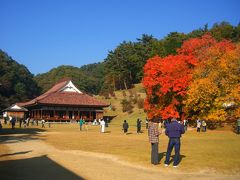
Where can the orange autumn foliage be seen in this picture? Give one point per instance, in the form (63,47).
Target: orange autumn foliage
(174,82)
(166,80)
(214,93)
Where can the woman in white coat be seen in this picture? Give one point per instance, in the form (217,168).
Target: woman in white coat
(102,124)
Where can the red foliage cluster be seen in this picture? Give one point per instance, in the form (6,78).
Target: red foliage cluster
(169,76)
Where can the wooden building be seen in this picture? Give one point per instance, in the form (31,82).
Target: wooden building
(16,111)
(64,102)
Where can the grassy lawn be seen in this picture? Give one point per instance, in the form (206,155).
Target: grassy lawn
(214,150)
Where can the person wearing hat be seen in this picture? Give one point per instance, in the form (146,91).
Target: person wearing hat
(153,134)
(174,130)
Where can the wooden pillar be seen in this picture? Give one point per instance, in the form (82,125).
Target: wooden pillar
(54,114)
(91,115)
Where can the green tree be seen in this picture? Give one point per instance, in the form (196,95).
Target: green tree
(16,82)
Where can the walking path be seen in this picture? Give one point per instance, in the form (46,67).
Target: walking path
(33,158)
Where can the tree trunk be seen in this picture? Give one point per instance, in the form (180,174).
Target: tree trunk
(125,84)
(114,84)
(119,81)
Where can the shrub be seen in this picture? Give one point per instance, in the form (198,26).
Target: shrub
(124,93)
(113,108)
(112,93)
(140,103)
(130,93)
(127,106)
(134,100)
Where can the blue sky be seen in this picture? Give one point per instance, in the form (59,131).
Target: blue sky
(43,34)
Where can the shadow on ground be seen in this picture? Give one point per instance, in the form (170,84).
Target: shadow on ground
(37,168)
(32,131)
(8,135)
(163,154)
(13,154)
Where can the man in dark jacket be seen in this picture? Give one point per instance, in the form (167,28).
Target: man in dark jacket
(174,130)
(139,126)
(125,127)
(153,134)
(13,121)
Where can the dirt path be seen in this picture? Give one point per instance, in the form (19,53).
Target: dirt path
(32,158)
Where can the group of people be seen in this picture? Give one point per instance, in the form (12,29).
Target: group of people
(201,124)
(22,121)
(101,122)
(125,126)
(173,130)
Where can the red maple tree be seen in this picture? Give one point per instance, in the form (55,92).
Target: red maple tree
(166,80)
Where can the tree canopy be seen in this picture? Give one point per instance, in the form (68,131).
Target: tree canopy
(16,82)
(202,80)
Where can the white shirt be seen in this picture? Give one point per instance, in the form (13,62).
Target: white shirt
(102,123)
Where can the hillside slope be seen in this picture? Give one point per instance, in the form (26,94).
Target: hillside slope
(115,109)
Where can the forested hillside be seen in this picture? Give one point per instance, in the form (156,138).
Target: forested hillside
(123,66)
(88,78)
(16,82)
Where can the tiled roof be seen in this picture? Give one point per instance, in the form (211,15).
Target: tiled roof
(71,98)
(55,97)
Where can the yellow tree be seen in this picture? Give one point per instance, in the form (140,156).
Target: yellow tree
(214,91)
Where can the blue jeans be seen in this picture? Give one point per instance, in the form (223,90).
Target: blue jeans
(173,142)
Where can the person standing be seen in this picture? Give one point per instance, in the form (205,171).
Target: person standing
(146,121)
(5,117)
(185,124)
(174,130)
(81,123)
(0,126)
(25,123)
(10,119)
(20,122)
(125,127)
(238,126)
(13,121)
(43,123)
(107,121)
(153,134)
(138,126)
(199,124)
(28,121)
(204,126)
(102,124)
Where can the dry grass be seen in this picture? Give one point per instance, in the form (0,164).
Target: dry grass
(3,151)
(215,150)
(116,102)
